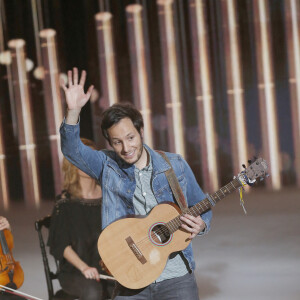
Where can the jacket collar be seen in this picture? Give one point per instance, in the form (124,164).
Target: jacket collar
(158,162)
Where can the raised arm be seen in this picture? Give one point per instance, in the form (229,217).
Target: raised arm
(76,98)
(86,159)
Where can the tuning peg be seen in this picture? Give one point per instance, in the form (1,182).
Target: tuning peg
(243,165)
(262,178)
(249,161)
(267,175)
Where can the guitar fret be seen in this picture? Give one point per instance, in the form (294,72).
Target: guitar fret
(222,192)
(233,185)
(170,226)
(198,208)
(175,225)
(195,211)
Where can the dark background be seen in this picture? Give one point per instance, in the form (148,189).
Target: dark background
(74,23)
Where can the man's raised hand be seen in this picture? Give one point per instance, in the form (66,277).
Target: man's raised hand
(76,98)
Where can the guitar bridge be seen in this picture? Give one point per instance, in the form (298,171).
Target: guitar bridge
(136,251)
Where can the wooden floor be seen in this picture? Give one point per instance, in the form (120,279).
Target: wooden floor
(243,257)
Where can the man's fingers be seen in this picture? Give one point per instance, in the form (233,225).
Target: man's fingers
(187,220)
(75,76)
(190,229)
(62,84)
(89,91)
(82,78)
(70,78)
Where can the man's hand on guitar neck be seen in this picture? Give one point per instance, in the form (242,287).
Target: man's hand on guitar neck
(192,224)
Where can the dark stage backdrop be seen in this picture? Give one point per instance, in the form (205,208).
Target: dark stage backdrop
(74,23)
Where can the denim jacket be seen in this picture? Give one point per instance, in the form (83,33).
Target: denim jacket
(117,179)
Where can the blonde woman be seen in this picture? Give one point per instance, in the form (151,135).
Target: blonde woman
(74,231)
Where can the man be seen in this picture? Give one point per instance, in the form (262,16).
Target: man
(133,182)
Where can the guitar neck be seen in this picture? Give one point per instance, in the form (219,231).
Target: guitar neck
(205,204)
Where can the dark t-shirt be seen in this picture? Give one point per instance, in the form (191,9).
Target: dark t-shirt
(75,222)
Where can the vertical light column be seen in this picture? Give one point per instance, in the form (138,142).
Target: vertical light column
(267,101)
(4,192)
(108,72)
(26,138)
(171,76)
(138,61)
(204,95)
(235,91)
(106,54)
(53,101)
(292,21)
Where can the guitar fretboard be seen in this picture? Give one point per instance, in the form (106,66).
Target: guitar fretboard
(205,204)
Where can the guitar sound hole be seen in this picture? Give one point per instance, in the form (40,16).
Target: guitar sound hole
(160,234)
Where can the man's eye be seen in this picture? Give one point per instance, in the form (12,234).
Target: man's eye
(131,138)
(116,143)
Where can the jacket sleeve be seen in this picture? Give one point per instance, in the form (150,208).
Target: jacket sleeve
(83,157)
(195,195)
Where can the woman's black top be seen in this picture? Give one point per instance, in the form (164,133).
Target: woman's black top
(75,222)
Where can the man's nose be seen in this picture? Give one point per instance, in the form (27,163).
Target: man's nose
(125,147)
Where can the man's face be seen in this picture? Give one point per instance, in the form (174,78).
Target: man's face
(126,141)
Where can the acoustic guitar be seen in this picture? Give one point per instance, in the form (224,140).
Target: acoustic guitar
(135,250)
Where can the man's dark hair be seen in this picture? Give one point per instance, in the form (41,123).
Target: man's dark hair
(116,113)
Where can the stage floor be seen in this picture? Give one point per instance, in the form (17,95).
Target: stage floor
(243,257)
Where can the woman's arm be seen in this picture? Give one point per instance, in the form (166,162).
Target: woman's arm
(88,272)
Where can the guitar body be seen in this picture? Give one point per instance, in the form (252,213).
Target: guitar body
(135,250)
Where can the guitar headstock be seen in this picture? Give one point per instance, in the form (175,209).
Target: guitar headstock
(257,169)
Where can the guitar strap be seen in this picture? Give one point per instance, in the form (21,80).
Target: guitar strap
(174,184)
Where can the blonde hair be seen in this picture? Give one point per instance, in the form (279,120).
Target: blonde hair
(71,177)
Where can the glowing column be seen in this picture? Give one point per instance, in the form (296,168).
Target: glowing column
(139,68)
(26,138)
(106,55)
(267,101)
(235,90)
(292,12)
(171,76)
(4,192)
(108,72)
(204,96)
(53,101)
